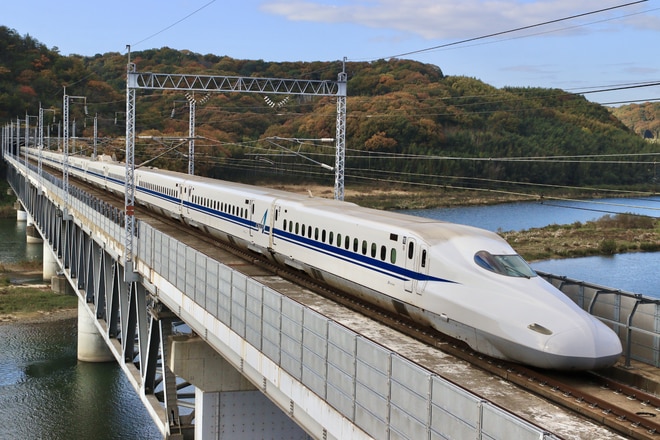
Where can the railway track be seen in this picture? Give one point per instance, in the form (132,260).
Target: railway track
(622,408)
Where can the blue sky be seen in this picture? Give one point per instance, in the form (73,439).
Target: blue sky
(593,52)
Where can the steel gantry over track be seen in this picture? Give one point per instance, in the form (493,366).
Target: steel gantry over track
(225,84)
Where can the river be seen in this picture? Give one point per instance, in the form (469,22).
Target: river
(46,393)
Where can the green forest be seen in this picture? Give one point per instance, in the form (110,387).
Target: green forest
(406,122)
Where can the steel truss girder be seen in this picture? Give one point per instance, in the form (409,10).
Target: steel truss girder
(136,336)
(212,83)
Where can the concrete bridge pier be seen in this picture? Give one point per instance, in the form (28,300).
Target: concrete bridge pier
(21,213)
(91,345)
(32,234)
(227,405)
(50,264)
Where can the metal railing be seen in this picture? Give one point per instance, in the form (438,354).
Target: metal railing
(634,317)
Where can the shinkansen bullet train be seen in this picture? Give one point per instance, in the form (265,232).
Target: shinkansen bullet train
(463,281)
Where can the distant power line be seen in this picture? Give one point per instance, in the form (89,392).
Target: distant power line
(173,24)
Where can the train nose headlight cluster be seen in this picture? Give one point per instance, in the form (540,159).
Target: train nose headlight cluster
(539,329)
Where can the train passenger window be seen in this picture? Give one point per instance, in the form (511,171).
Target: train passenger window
(374,248)
(393,256)
(338,240)
(331,237)
(284,225)
(423,263)
(316,233)
(383,253)
(309,231)
(347,242)
(297,227)
(323,236)
(508,265)
(411,250)
(355,245)
(303,231)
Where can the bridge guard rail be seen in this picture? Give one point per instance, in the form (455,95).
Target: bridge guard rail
(385,395)
(635,317)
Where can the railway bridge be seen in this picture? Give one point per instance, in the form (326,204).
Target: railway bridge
(200,334)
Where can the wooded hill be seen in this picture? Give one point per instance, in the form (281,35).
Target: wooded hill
(406,121)
(643,119)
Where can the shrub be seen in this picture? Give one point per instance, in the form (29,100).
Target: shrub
(650,247)
(608,247)
(627,221)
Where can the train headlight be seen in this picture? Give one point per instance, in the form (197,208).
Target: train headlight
(539,329)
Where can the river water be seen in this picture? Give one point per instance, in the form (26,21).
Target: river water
(46,393)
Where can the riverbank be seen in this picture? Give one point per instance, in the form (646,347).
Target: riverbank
(23,299)
(398,196)
(608,235)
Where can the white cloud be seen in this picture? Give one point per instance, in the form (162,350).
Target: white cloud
(444,19)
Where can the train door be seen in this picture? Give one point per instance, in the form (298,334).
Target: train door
(424,261)
(273,223)
(411,263)
(179,195)
(250,217)
(186,200)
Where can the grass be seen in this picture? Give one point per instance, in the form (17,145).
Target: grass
(25,300)
(21,300)
(608,235)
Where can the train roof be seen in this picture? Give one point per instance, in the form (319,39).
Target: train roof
(429,229)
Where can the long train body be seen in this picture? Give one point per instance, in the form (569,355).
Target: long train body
(463,281)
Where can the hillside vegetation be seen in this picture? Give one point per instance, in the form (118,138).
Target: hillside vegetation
(405,121)
(643,119)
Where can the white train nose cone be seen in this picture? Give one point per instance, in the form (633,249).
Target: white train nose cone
(584,347)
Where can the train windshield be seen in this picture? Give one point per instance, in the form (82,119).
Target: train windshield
(508,265)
